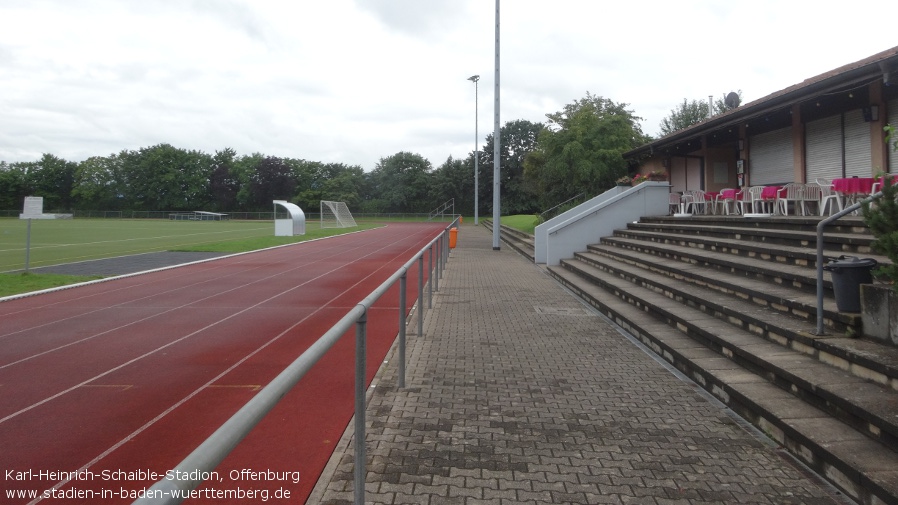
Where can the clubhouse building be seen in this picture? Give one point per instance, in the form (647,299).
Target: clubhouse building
(826,127)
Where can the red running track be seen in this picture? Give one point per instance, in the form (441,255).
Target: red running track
(103,384)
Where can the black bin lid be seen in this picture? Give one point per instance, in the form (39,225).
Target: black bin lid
(850,262)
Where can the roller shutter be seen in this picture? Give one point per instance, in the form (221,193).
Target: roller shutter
(858,161)
(770,159)
(823,142)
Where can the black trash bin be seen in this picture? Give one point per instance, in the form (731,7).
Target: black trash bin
(848,273)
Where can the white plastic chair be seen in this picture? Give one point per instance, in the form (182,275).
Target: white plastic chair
(813,193)
(792,192)
(751,197)
(829,196)
(743,199)
(696,202)
(674,203)
(725,202)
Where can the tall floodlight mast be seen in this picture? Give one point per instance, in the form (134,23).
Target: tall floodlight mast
(496,206)
(474,79)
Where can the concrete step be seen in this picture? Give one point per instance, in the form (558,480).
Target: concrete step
(792,251)
(521,242)
(798,277)
(779,296)
(851,240)
(840,425)
(850,225)
(763,312)
(803,373)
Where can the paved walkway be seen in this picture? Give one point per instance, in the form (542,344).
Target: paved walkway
(518,393)
(127,264)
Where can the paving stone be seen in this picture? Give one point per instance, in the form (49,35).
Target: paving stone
(519,394)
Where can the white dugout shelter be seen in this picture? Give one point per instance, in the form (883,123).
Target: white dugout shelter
(294,225)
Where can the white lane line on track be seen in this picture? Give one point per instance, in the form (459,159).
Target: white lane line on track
(173,342)
(180,402)
(162,293)
(131,323)
(244,257)
(324,253)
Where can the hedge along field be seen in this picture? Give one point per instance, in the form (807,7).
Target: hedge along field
(69,240)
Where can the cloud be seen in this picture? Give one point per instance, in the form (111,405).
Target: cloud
(354,81)
(417,18)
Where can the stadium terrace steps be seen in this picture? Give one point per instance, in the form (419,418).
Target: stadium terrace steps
(516,239)
(731,302)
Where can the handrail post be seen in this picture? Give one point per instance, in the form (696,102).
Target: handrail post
(430,275)
(445,248)
(442,255)
(360,356)
(217,446)
(402,282)
(820,226)
(421,296)
(436,264)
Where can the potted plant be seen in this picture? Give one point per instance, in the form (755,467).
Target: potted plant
(624,181)
(879,304)
(639,179)
(657,175)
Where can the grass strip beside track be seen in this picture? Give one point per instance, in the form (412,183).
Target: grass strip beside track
(523,222)
(55,242)
(13,284)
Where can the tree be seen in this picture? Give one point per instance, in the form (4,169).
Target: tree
(343,183)
(685,115)
(690,113)
(517,140)
(318,181)
(224,181)
(98,183)
(454,180)
(13,189)
(163,177)
(581,149)
(272,179)
(402,183)
(53,179)
(882,218)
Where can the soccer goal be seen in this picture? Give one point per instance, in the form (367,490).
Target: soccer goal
(336,215)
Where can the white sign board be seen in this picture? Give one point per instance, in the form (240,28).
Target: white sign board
(34,206)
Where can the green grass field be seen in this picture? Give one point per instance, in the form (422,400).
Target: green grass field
(61,241)
(523,222)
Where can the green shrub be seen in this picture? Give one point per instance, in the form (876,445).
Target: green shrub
(882,218)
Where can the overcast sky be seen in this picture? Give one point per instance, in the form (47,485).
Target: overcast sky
(354,81)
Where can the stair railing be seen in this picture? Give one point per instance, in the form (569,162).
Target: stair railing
(543,217)
(441,210)
(820,226)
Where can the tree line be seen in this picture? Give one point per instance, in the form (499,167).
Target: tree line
(579,149)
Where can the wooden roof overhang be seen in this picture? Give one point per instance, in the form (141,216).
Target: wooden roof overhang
(816,96)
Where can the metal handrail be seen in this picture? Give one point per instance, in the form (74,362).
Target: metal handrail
(820,226)
(630,191)
(543,214)
(441,210)
(214,449)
